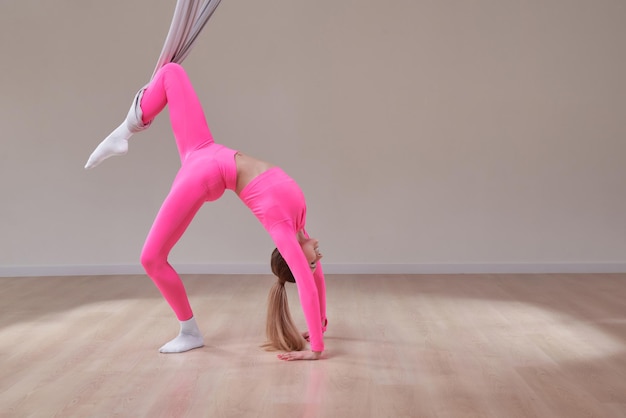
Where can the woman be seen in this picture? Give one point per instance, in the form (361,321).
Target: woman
(207,170)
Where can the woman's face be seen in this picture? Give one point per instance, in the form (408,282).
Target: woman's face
(310,248)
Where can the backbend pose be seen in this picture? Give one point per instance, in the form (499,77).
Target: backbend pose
(207,170)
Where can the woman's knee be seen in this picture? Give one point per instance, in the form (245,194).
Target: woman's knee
(151,261)
(173,67)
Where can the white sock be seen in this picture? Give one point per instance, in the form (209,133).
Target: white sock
(117,141)
(114,144)
(188,338)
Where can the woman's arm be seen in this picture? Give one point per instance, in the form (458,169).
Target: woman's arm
(289,247)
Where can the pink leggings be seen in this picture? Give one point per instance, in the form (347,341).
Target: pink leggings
(207,170)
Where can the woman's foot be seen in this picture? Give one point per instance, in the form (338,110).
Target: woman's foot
(114,144)
(117,141)
(182,343)
(188,338)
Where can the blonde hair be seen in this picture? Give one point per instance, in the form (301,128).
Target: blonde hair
(280,330)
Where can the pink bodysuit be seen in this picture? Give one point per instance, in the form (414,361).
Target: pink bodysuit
(207,171)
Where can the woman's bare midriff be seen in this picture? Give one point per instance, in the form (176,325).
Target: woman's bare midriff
(247,169)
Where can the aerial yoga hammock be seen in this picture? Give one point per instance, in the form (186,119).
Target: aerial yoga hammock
(207,170)
(190,17)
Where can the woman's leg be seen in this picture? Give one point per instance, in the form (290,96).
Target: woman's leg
(170,86)
(176,213)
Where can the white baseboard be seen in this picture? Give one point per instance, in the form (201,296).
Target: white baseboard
(130,269)
(503,268)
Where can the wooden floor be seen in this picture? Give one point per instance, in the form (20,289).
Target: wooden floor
(500,346)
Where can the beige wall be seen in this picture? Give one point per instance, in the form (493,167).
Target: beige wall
(427,135)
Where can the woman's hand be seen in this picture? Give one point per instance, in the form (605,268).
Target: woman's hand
(305,335)
(300,355)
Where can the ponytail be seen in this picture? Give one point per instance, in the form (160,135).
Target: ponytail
(280,330)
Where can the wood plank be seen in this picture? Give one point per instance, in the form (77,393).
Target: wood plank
(397,346)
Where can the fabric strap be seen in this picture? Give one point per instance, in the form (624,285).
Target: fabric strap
(190,17)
